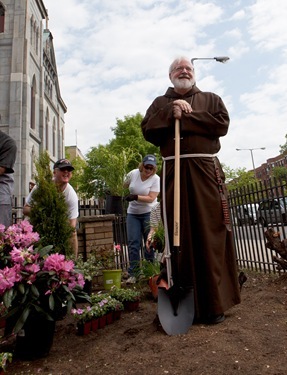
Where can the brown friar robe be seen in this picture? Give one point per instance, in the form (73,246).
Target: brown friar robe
(207,259)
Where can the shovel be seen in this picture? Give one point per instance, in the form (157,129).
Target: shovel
(175,303)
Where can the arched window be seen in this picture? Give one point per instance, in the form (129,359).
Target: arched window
(37,40)
(2,18)
(33,104)
(31,30)
(32,163)
(62,141)
(54,137)
(47,119)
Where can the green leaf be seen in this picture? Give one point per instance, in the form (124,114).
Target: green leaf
(35,291)
(21,288)
(51,302)
(21,321)
(45,250)
(7,298)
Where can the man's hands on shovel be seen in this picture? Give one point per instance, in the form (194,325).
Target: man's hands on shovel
(180,106)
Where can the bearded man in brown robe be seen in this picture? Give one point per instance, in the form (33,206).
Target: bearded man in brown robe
(206,260)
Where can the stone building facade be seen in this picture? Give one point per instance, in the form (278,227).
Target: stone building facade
(31,107)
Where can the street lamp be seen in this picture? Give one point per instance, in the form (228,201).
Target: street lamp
(251,151)
(221,59)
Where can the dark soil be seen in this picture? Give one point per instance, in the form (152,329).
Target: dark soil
(251,341)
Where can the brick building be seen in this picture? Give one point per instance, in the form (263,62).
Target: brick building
(264,172)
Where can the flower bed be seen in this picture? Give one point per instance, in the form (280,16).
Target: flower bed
(105,308)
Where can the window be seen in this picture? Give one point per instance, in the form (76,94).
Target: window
(33,104)
(47,119)
(2,18)
(54,138)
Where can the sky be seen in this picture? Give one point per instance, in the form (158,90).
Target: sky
(113,58)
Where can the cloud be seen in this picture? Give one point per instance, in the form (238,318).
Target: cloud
(113,61)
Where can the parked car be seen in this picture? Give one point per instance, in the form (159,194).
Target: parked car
(272,211)
(247,214)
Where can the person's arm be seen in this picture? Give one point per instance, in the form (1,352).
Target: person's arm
(149,239)
(27,209)
(155,220)
(148,198)
(127,180)
(74,237)
(8,154)
(27,206)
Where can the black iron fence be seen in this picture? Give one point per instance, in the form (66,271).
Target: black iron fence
(253,209)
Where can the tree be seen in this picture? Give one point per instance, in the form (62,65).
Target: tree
(128,133)
(106,170)
(279,172)
(283,148)
(49,211)
(107,162)
(77,178)
(237,178)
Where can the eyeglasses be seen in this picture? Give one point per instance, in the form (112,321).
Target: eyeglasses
(65,169)
(181,69)
(148,167)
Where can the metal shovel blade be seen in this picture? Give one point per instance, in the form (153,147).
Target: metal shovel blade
(175,321)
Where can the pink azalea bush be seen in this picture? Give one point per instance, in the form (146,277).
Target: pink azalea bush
(31,279)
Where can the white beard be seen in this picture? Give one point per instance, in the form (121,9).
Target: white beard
(183,83)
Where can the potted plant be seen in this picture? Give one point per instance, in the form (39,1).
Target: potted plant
(111,174)
(108,258)
(5,358)
(157,238)
(90,268)
(113,306)
(34,286)
(84,318)
(130,297)
(149,271)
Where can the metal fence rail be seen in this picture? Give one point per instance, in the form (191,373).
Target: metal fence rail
(249,238)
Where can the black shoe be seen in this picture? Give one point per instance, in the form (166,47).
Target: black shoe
(215,319)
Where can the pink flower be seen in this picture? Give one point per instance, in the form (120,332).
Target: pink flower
(23,255)
(32,268)
(8,277)
(56,262)
(118,247)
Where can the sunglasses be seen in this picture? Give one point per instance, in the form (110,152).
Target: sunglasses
(148,167)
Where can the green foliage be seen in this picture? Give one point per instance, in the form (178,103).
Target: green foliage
(238,178)
(77,179)
(106,170)
(128,134)
(158,240)
(5,358)
(148,269)
(283,148)
(107,165)
(49,212)
(125,295)
(89,268)
(279,172)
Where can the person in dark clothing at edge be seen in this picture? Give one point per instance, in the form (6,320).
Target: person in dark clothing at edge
(207,259)
(8,151)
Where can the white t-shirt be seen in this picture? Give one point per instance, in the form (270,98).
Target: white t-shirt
(71,199)
(139,187)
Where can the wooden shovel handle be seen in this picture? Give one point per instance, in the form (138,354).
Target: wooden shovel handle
(176,207)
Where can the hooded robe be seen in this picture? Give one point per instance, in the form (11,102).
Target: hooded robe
(206,259)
